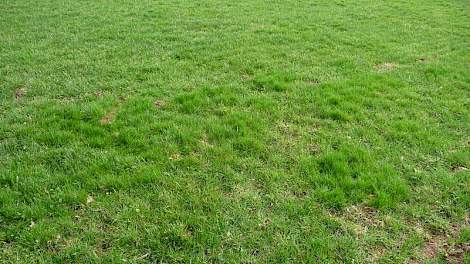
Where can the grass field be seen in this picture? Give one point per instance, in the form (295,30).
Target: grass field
(217,131)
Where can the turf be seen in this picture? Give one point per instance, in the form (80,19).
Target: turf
(219,131)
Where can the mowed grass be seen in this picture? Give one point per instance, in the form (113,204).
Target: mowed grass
(219,131)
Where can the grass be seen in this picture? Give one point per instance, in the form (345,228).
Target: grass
(220,131)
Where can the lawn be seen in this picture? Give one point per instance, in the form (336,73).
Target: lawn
(219,131)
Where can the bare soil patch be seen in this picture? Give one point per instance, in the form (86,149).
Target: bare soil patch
(20,93)
(159,104)
(109,117)
(385,67)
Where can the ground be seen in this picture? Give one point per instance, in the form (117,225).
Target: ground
(217,131)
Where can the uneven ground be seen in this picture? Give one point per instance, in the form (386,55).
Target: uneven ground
(333,131)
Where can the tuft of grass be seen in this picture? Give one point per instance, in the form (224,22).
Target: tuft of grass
(275,81)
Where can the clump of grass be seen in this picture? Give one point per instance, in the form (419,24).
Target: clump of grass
(350,175)
(274,81)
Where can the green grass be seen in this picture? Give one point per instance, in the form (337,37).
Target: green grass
(219,131)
